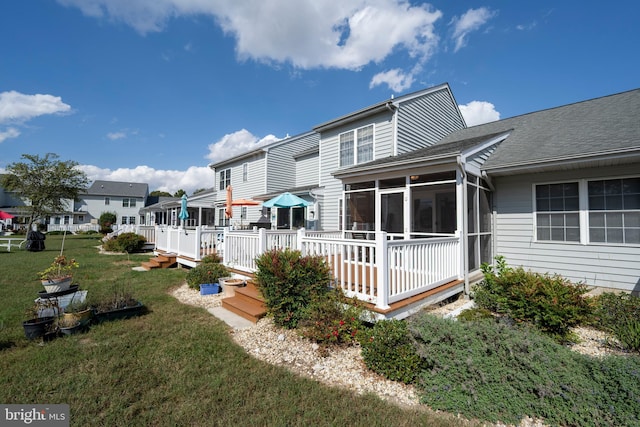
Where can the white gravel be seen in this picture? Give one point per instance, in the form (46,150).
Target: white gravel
(344,367)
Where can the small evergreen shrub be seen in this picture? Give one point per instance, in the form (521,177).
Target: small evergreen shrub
(474,314)
(208,272)
(619,313)
(389,350)
(550,302)
(332,319)
(125,242)
(497,372)
(212,258)
(289,282)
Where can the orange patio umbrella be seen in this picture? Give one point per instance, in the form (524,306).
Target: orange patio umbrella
(228,212)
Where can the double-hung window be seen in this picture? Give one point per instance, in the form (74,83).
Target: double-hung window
(614,211)
(225,179)
(558,212)
(356,146)
(245,172)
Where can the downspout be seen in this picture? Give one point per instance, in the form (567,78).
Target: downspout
(464,238)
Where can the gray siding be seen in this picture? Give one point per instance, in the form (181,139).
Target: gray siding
(602,265)
(478,159)
(281,165)
(307,169)
(423,121)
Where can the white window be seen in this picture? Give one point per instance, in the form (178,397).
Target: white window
(614,211)
(362,151)
(132,220)
(123,220)
(245,174)
(558,212)
(225,179)
(107,200)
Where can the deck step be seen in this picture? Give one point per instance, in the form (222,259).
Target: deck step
(247,302)
(249,310)
(159,261)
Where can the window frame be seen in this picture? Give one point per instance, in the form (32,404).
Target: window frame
(352,148)
(585,211)
(225,181)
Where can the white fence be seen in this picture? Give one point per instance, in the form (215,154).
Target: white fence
(380,271)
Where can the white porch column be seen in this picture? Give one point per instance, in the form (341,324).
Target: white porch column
(198,244)
(382,263)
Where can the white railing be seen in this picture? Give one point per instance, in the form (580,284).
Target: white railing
(73,228)
(194,243)
(380,271)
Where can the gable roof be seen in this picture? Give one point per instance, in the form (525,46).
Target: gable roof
(117,188)
(591,132)
(389,104)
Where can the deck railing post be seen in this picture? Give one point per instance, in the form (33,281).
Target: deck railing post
(300,235)
(382,262)
(198,243)
(262,241)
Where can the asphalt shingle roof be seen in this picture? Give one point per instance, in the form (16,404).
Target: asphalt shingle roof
(116,188)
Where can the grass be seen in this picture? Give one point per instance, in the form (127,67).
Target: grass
(177,365)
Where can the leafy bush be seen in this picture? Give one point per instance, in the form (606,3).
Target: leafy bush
(211,258)
(550,302)
(208,272)
(389,349)
(332,319)
(106,220)
(289,282)
(497,372)
(125,242)
(619,313)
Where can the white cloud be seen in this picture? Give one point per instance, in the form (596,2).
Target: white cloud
(11,132)
(307,34)
(470,21)
(396,79)
(193,178)
(236,143)
(17,107)
(479,112)
(116,135)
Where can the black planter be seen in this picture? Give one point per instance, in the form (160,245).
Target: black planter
(37,327)
(74,329)
(119,313)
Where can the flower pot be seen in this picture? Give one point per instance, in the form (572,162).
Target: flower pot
(57,285)
(83,316)
(37,327)
(209,288)
(75,329)
(229,286)
(120,313)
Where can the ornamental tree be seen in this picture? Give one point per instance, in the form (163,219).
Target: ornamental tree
(46,183)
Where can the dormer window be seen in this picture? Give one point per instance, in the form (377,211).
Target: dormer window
(356,146)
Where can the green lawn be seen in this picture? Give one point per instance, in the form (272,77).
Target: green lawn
(176,365)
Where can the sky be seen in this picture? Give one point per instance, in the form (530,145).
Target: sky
(156,90)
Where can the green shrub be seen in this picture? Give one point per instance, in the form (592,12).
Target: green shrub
(498,372)
(550,302)
(208,272)
(619,313)
(332,319)
(389,350)
(289,282)
(475,314)
(125,242)
(211,258)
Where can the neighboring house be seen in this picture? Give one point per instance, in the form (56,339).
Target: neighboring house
(124,199)
(286,165)
(165,210)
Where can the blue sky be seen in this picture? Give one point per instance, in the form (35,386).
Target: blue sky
(153,91)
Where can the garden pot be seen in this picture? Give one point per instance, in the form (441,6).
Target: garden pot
(209,288)
(83,316)
(57,285)
(229,286)
(120,313)
(71,330)
(37,327)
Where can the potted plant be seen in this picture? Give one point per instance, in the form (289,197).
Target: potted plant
(79,311)
(205,276)
(57,277)
(119,304)
(70,325)
(38,325)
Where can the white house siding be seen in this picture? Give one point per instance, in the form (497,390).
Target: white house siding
(255,184)
(601,265)
(330,161)
(94,207)
(425,120)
